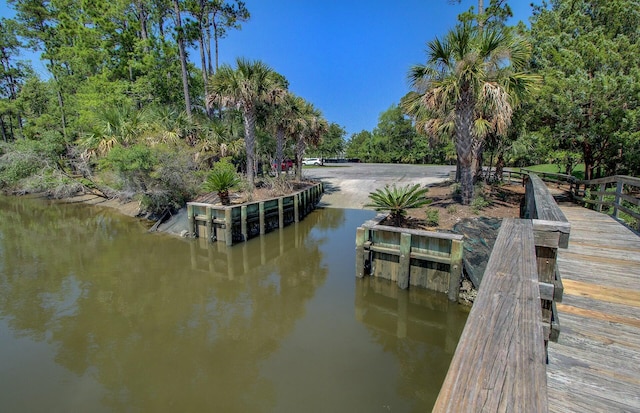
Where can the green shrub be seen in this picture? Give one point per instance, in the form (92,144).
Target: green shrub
(221,179)
(173,181)
(398,200)
(26,157)
(133,165)
(452,209)
(432,217)
(479,203)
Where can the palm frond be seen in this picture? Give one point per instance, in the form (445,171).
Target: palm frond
(397,200)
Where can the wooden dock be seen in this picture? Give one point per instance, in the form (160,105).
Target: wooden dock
(595,364)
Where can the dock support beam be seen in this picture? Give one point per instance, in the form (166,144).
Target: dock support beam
(261,214)
(228,229)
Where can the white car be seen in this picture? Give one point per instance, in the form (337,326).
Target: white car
(312,161)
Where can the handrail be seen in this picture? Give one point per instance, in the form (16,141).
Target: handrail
(499,364)
(620,197)
(579,194)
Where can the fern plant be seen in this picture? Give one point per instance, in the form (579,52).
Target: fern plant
(221,179)
(398,200)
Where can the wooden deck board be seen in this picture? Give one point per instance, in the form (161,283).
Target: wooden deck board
(499,365)
(595,365)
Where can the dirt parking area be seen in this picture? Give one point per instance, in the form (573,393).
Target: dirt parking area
(347,185)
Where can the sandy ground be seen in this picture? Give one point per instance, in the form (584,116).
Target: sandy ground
(348,185)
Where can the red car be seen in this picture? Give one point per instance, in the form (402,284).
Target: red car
(287,164)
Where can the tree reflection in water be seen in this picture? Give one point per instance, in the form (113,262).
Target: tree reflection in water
(131,309)
(147,322)
(421,328)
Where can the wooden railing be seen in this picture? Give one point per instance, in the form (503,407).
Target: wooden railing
(551,231)
(620,192)
(500,361)
(499,364)
(627,190)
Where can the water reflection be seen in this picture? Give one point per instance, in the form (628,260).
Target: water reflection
(140,317)
(98,315)
(421,328)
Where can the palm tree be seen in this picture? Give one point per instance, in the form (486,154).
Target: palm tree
(251,84)
(115,126)
(474,79)
(285,119)
(310,129)
(398,200)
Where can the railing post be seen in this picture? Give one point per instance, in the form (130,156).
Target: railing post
(603,187)
(616,203)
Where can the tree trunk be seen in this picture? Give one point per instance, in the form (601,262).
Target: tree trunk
(205,76)
(63,118)
(215,41)
(499,166)
(250,143)
(3,129)
(301,146)
(464,144)
(207,44)
(478,160)
(498,179)
(183,59)
(279,149)
(587,157)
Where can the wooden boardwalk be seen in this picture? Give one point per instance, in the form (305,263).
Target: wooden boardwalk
(595,365)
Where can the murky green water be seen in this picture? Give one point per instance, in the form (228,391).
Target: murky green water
(97,315)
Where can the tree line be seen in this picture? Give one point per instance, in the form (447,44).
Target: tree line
(124,110)
(564,90)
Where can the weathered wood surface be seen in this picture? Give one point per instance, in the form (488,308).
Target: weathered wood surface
(499,364)
(595,364)
(410,257)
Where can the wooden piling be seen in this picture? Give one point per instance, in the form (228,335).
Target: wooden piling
(192,220)
(455,269)
(228,229)
(261,214)
(209,215)
(405,261)
(360,257)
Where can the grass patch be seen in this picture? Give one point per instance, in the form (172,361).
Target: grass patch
(552,168)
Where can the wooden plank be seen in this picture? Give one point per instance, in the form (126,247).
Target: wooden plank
(429,234)
(605,293)
(499,364)
(455,269)
(405,261)
(595,365)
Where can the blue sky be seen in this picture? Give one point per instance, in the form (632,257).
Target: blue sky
(349,58)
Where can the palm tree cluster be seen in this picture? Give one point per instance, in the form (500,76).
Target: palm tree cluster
(468,88)
(255,89)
